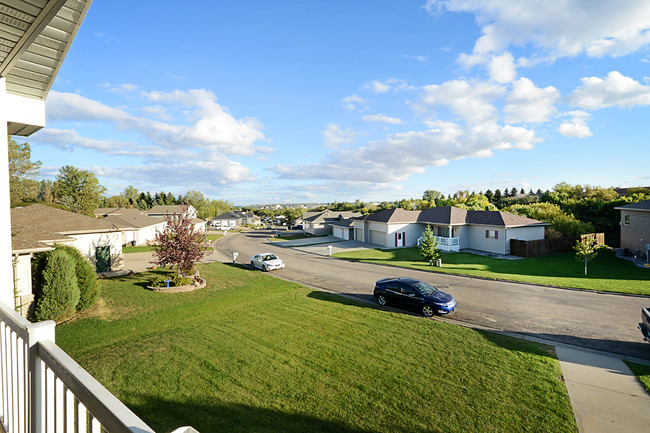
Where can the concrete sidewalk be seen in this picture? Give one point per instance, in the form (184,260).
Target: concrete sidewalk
(604,393)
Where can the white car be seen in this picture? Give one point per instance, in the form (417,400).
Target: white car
(266,262)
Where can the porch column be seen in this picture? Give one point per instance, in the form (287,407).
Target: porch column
(6,268)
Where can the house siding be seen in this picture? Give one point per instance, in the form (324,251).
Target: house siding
(478,241)
(523,234)
(411,231)
(636,234)
(87,243)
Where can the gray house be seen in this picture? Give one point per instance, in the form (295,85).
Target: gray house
(635,226)
(454,228)
(320,223)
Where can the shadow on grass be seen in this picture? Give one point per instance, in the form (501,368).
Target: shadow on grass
(214,416)
(638,349)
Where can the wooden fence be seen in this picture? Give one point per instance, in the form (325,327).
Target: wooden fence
(544,247)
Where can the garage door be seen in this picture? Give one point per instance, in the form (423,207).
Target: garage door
(378,238)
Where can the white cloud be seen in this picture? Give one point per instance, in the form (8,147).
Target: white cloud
(615,90)
(394,84)
(207,124)
(352,102)
(334,136)
(502,68)
(556,29)
(470,101)
(380,118)
(529,103)
(398,156)
(577,127)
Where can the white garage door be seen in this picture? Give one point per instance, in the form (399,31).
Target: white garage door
(378,238)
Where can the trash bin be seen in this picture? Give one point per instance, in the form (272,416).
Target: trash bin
(438,262)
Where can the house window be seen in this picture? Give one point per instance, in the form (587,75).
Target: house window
(626,220)
(492,234)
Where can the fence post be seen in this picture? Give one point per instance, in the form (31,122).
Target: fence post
(37,332)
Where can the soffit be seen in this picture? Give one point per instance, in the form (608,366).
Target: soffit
(35,36)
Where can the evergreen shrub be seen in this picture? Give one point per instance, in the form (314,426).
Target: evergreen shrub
(86,278)
(59,291)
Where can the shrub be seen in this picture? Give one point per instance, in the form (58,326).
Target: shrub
(176,281)
(59,291)
(86,278)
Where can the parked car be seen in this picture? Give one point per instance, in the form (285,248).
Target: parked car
(266,262)
(644,326)
(415,295)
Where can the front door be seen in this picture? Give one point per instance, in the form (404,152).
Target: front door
(103,258)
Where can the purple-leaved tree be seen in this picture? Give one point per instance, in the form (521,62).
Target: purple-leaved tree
(180,244)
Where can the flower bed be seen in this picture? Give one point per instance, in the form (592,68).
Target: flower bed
(196,285)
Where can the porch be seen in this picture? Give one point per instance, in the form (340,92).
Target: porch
(449,244)
(42,389)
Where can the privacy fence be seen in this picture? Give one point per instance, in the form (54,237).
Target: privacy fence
(544,247)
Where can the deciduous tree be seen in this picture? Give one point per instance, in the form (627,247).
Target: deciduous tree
(77,189)
(180,244)
(586,250)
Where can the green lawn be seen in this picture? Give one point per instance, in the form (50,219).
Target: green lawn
(251,353)
(642,372)
(213,237)
(138,249)
(605,273)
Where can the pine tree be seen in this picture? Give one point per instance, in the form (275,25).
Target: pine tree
(429,246)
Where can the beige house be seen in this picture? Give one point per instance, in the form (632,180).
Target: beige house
(635,226)
(319,223)
(455,228)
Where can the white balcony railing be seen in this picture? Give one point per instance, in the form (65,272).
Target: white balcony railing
(43,390)
(449,244)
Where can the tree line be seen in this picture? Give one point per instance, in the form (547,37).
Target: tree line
(570,209)
(79,190)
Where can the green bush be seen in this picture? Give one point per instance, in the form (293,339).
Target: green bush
(59,291)
(86,278)
(176,281)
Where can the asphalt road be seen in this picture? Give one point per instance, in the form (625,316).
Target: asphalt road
(599,321)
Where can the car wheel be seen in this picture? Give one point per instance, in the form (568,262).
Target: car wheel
(252,265)
(264,268)
(381,300)
(428,310)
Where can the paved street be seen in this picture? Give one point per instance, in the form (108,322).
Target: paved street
(606,322)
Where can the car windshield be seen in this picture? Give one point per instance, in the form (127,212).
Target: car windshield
(425,289)
(269,257)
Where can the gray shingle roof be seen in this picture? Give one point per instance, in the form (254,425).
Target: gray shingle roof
(450,215)
(133,218)
(641,205)
(50,219)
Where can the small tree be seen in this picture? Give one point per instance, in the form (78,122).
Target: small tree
(586,251)
(59,291)
(180,244)
(429,246)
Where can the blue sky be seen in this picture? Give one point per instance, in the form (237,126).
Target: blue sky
(319,101)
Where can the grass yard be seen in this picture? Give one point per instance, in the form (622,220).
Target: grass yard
(213,237)
(605,273)
(642,372)
(251,353)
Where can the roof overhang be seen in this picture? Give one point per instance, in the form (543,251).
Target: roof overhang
(35,37)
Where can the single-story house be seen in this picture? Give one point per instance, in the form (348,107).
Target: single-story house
(139,229)
(98,240)
(318,224)
(343,229)
(36,228)
(234,218)
(635,226)
(454,228)
(161,210)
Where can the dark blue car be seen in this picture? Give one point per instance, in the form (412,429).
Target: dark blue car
(414,295)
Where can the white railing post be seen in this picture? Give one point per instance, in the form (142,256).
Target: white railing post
(41,331)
